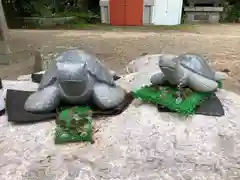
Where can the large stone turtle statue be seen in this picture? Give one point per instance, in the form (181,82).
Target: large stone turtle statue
(75,77)
(187,69)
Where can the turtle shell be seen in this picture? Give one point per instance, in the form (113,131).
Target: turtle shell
(79,58)
(93,65)
(197,64)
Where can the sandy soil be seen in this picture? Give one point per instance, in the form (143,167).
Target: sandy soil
(220,43)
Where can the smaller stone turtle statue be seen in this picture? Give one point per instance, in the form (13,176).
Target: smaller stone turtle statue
(187,69)
(75,78)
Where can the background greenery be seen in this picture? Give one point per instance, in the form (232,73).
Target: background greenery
(53,13)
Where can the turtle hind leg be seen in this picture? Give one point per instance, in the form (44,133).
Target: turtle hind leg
(158,79)
(107,97)
(43,101)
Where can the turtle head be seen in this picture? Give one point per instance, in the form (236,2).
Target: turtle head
(171,68)
(72,78)
(167,64)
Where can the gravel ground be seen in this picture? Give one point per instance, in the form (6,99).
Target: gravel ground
(220,43)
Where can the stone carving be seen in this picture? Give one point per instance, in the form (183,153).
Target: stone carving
(75,77)
(190,70)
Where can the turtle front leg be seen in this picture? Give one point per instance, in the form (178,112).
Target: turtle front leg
(158,79)
(107,97)
(44,100)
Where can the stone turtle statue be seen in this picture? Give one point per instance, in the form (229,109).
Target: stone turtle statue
(188,69)
(75,78)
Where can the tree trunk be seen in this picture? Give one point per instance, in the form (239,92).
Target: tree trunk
(3,24)
(4,46)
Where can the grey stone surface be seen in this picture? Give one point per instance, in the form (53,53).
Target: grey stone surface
(149,2)
(204,2)
(139,144)
(202,14)
(203,9)
(104,3)
(147,13)
(104,10)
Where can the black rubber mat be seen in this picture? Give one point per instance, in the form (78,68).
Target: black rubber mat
(15,101)
(38,77)
(210,107)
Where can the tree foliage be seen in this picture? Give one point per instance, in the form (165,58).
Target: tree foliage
(47,7)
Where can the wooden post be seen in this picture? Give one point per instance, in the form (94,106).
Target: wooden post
(4,46)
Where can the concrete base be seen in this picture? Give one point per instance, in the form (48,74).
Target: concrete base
(202,14)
